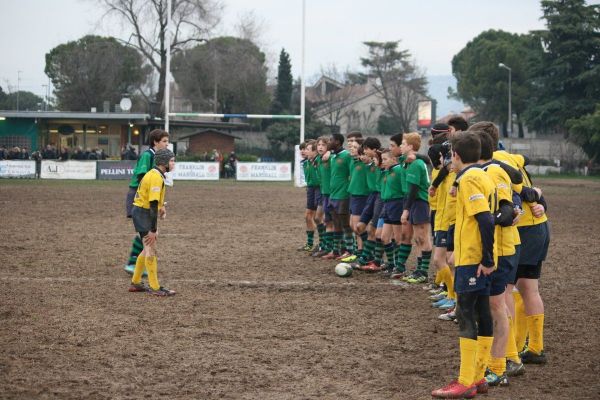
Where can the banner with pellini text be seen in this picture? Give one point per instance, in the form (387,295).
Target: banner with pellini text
(17,169)
(71,169)
(251,171)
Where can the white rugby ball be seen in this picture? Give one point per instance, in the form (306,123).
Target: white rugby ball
(343,270)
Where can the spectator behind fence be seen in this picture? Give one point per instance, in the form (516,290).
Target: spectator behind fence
(14,154)
(78,154)
(91,154)
(2,152)
(24,154)
(49,152)
(64,154)
(130,153)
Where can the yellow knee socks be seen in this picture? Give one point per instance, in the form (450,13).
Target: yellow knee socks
(484,351)
(520,321)
(468,352)
(151,266)
(140,264)
(512,351)
(535,325)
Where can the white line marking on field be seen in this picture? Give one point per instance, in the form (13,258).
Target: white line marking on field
(210,282)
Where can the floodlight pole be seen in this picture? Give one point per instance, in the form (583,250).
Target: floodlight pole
(168,72)
(509,120)
(302,80)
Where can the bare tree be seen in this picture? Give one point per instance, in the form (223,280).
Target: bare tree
(336,96)
(398,81)
(192,21)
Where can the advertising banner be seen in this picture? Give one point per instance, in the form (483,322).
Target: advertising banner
(17,169)
(68,169)
(424,113)
(196,171)
(115,169)
(249,171)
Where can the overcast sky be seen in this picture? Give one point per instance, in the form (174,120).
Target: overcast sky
(433,30)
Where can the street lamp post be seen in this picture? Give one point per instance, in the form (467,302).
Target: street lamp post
(509,120)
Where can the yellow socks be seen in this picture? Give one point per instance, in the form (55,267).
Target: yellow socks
(468,352)
(498,365)
(439,277)
(450,284)
(520,321)
(140,264)
(511,346)
(535,325)
(152,268)
(484,351)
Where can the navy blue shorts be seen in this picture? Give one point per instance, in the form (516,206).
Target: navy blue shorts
(450,239)
(432,222)
(142,221)
(377,210)
(339,207)
(357,204)
(535,240)
(313,197)
(367,213)
(466,281)
(440,239)
(419,212)
(512,278)
(129,201)
(392,211)
(325,204)
(507,269)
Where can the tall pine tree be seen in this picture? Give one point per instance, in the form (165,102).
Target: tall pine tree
(568,83)
(283,94)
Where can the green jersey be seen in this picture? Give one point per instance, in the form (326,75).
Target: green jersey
(144,164)
(416,174)
(311,173)
(373,178)
(340,175)
(391,183)
(325,174)
(358,185)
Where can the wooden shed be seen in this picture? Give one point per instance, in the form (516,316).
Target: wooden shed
(208,139)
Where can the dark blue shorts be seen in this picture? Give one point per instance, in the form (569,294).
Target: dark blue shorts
(419,212)
(313,197)
(450,239)
(367,213)
(325,204)
(535,240)
(357,204)
(432,222)
(339,207)
(377,210)
(440,239)
(392,211)
(503,275)
(142,221)
(129,201)
(466,281)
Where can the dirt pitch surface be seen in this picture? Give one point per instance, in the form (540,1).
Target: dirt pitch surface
(253,317)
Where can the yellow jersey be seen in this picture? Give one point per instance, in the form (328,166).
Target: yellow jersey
(433,199)
(446,205)
(476,193)
(518,161)
(504,237)
(152,187)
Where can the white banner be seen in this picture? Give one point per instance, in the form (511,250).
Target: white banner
(249,171)
(68,169)
(196,171)
(17,169)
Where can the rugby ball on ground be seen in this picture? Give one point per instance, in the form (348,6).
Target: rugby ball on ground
(343,270)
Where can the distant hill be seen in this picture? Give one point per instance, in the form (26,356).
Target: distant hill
(438,89)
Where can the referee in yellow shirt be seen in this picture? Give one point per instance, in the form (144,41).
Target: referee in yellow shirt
(148,206)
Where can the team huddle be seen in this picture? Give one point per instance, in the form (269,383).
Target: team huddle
(476,219)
